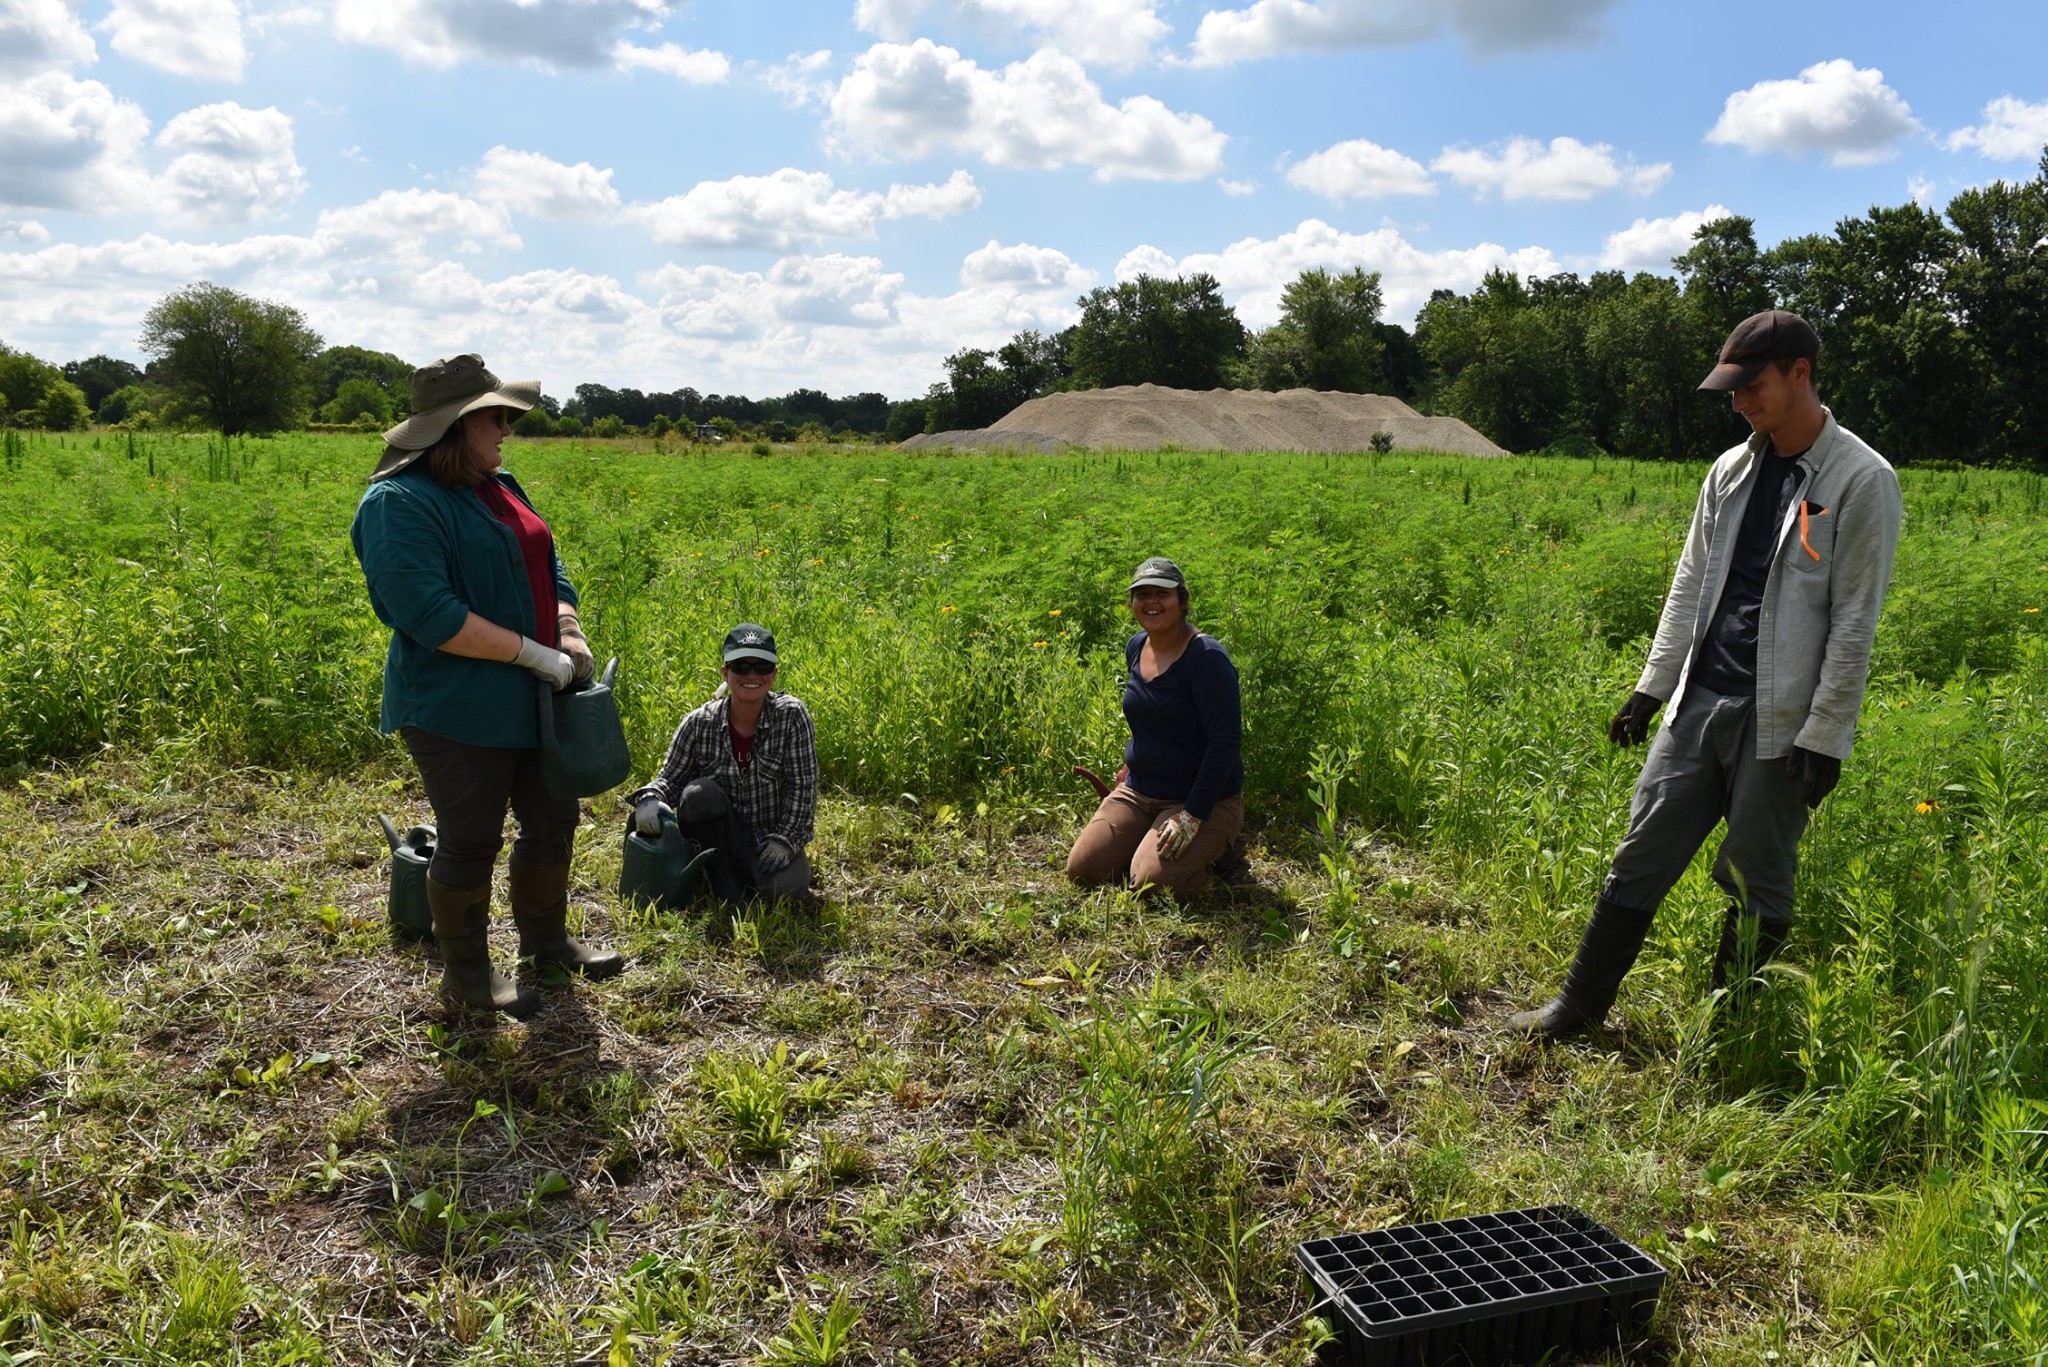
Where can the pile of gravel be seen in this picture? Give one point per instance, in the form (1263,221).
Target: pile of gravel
(977,438)
(1146,417)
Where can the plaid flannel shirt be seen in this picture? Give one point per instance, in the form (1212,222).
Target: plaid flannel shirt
(777,795)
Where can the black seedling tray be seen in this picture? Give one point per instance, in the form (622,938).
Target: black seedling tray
(1481,1289)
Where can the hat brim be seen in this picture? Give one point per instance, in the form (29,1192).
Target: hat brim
(1155,581)
(750,653)
(406,442)
(1730,376)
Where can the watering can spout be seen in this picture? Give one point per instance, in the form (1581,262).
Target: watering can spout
(390,831)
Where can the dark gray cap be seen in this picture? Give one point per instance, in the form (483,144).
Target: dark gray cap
(749,641)
(1158,572)
(1773,335)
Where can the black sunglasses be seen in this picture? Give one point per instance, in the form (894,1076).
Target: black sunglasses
(751,666)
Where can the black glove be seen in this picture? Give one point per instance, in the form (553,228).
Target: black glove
(1632,723)
(1816,774)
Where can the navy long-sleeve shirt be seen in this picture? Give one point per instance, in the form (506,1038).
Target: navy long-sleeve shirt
(1186,727)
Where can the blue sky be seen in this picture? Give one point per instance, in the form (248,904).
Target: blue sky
(752,198)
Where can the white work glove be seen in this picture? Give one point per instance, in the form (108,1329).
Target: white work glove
(649,813)
(1175,834)
(775,855)
(551,667)
(569,632)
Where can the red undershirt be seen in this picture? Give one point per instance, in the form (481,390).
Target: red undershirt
(536,548)
(742,746)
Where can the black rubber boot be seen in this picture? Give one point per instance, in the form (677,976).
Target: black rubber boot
(1731,963)
(1608,949)
(540,908)
(468,982)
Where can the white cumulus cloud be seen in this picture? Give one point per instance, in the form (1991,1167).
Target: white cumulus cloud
(546,33)
(233,165)
(2013,130)
(801,79)
(956,195)
(41,35)
(22,230)
(1022,267)
(1565,168)
(699,67)
(1836,108)
(68,144)
(404,221)
(1648,244)
(790,207)
(197,38)
(1253,271)
(1270,27)
(1041,113)
(541,187)
(1119,33)
(1358,169)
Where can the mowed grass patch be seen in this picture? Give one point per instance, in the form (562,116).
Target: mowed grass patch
(967,1113)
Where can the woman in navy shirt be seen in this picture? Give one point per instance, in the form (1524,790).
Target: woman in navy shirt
(1180,800)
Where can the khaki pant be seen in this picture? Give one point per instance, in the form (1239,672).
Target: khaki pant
(1116,846)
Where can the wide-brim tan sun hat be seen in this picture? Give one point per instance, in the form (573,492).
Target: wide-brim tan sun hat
(442,392)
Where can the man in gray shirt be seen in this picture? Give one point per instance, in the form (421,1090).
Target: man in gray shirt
(1764,646)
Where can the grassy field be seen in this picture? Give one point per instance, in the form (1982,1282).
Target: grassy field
(968,1114)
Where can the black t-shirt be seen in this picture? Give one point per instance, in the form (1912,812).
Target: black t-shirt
(1727,662)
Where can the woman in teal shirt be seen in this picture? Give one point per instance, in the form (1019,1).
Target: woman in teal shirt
(464,572)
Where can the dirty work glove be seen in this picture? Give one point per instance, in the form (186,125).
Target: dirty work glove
(551,667)
(1632,723)
(1176,834)
(1816,774)
(569,632)
(774,855)
(649,813)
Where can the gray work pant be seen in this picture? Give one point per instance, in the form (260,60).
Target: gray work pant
(1702,768)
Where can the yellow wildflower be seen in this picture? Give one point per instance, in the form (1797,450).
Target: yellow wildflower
(949,608)
(1054,613)
(1924,806)
(1038,645)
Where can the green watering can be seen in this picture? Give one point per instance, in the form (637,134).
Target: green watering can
(582,742)
(664,870)
(410,855)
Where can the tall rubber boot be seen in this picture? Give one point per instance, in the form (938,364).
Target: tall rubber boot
(540,908)
(1732,962)
(1607,950)
(468,981)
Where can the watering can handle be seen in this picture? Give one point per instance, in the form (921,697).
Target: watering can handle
(390,831)
(611,671)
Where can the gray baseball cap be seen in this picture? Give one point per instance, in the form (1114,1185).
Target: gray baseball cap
(1160,573)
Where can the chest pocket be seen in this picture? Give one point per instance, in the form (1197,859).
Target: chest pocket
(1811,546)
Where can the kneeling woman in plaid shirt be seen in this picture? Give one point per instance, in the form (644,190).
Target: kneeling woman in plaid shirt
(742,774)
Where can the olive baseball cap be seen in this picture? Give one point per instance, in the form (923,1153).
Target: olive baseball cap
(749,641)
(1159,573)
(1773,335)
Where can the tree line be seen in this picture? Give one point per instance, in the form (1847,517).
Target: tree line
(1933,326)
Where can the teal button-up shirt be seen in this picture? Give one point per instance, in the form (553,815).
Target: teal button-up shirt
(432,556)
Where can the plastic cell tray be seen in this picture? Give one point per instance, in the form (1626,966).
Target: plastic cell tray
(1481,1289)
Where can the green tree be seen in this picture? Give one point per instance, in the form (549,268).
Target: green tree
(337,365)
(99,376)
(1646,349)
(62,408)
(28,383)
(1149,330)
(907,419)
(135,404)
(1725,275)
(243,364)
(1998,286)
(356,397)
(1498,360)
(534,422)
(1327,336)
